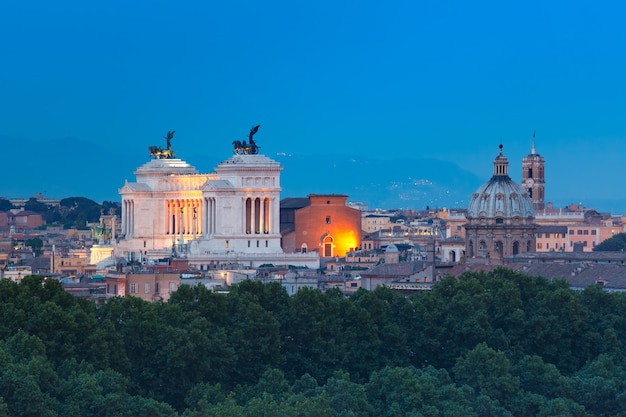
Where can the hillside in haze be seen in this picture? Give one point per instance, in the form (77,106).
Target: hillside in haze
(72,167)
(401,183)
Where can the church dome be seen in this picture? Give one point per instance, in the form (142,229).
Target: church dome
(500,200)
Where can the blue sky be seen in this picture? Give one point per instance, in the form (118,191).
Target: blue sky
(448,80)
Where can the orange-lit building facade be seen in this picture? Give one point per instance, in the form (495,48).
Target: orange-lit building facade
(76,262)
(552,239)
(322,223)
(374,222)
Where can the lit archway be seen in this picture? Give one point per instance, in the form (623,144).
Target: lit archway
(328,246)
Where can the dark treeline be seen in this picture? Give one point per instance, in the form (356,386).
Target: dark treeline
(488,344)
(71,212)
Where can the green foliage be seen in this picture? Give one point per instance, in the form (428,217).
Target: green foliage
(5,205)
(395,392)
(79,210)
(487,372)
(487,344)
(36,206)
(73,212)
(615,243)
(35,244)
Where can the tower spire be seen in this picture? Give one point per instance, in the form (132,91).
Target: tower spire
(532,150)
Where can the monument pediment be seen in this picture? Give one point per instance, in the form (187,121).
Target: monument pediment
(216,185)
(131,187)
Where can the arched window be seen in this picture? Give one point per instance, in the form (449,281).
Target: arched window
(482,248)
(515,248)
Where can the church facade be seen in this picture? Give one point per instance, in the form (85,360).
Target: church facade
(229,216)
(500,219)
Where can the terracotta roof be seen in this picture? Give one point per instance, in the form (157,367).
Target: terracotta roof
(579,275)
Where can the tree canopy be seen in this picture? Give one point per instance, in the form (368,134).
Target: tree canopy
(498,343)
(35,244)
(72,212)
(615,243)
(5,205)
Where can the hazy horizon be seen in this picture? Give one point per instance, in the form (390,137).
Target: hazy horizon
(437,81)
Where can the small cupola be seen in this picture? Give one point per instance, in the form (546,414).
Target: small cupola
(501,165)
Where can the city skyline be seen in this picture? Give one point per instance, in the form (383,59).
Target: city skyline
(441,81)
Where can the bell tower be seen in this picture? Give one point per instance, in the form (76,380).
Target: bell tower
(533,179)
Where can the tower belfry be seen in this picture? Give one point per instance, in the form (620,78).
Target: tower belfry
(533,177)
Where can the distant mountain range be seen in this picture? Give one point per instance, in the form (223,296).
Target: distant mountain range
(78,168)
(73,167)
(410,183)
